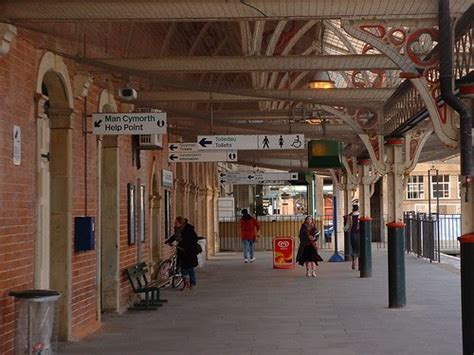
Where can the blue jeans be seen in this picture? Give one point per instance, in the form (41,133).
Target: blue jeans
(248,248)
(189,272)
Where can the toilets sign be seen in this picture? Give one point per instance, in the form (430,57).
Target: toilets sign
(129,123)
(251,142)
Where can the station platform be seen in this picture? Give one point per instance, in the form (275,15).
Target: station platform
(252,308)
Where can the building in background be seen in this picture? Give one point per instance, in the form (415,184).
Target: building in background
(432,182)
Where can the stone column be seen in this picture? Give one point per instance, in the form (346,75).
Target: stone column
(110,227)
(365,221)
(396,232)
(61,214)
(319,198)
(311,199)
(377,211)
(339,194)
(348,193)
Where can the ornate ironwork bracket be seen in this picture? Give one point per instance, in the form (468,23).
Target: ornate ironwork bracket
(351,170)
(375,146)
(82,83)
(414,142)
(7,33)
(337,179)
(405,47)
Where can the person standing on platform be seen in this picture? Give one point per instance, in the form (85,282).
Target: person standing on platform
(187,239)
(352,226)
(308,250)
(249,227)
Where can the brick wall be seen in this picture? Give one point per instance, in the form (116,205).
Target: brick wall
(84,270)
(17,183)
(18,194)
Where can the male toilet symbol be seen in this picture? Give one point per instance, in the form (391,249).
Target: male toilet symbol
(265,143)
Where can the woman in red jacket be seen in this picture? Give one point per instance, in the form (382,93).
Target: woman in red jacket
(249,227)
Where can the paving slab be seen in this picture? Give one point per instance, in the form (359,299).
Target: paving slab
(253,309)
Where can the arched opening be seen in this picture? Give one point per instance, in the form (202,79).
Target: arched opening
(53,249)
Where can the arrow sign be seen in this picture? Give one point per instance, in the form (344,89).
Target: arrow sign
(252,142)
(183,147)
(250,178)
(129,123)
(202,156)
(204,142)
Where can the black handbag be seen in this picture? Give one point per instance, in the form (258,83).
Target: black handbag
(198,248)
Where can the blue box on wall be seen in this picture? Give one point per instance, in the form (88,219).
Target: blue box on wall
(84,233)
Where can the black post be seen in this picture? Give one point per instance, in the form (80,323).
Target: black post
(467,292)
(437,215)
(429,192)
(365,246)
(396,265)
(347,244)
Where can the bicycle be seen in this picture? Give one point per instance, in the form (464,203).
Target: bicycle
(169,270)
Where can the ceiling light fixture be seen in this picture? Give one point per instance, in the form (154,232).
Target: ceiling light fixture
(321,80)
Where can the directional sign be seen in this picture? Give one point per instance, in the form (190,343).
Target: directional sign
(183,147)
(200,156)
(129,123)
(251,178)
(252,142)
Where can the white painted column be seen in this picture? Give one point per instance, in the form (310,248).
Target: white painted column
(364,187)
(395,164)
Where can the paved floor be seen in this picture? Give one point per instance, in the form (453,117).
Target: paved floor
(253,309)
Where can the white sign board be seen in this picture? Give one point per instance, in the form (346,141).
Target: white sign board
(16,145)
(183,147)
(167,178)
(201,156)
(251,178)
(129,123)
(226,207)
(253,142)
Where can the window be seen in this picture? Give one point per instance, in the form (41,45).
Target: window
(415,189)
(440,186)
(459,186)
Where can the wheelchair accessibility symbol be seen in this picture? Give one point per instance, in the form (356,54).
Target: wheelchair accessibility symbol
(297,143)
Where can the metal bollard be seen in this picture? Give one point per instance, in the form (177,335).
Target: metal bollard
(396,265)
(467,292)
(365,246)
(347,246)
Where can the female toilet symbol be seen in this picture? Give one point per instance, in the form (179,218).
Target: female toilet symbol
(280,142)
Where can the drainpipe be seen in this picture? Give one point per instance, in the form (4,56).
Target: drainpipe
(446,81)
(467,240)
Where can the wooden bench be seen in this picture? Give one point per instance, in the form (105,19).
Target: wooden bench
(139,277)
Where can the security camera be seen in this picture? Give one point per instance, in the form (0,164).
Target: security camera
(127,93)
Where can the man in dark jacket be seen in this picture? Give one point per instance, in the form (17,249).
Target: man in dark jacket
(187,240)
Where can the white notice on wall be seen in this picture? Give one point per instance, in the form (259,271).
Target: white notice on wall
(16,145)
